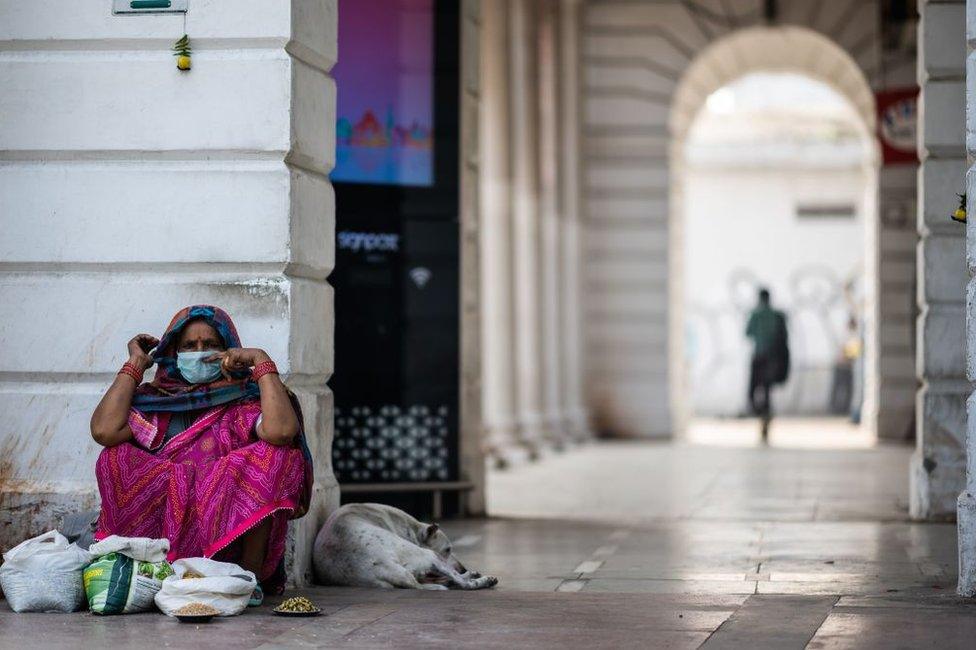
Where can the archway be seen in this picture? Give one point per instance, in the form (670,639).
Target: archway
(766,50)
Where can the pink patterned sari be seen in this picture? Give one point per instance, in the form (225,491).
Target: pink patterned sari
(205,487)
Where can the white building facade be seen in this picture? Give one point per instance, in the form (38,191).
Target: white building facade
(129,189)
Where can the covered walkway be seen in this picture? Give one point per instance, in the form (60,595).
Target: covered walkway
(713,542)
(810,514)
(813,470)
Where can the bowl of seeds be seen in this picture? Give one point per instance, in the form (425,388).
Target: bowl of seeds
(297,606)
(196,613)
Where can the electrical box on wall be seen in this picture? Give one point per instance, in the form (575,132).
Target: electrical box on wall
(149,6)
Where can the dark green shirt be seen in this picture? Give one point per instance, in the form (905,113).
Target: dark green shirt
(765,328)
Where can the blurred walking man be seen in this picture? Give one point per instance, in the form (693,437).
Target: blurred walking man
(770,358)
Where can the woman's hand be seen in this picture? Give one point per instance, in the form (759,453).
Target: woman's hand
(279,422)
(139,348)
(238,359)
(110,421)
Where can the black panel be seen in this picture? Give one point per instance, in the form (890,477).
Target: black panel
(396,280)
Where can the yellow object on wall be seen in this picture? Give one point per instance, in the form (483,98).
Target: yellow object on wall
(960,212)
(182,53)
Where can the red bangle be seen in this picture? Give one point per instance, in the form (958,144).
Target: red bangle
(262,369)
(132,371)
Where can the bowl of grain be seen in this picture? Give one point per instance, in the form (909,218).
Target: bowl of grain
(297,606)
(195,613)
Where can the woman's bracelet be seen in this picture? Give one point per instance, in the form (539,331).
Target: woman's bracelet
(263,368)
(131,370)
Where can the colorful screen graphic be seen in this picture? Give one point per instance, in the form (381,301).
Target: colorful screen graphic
(384,80)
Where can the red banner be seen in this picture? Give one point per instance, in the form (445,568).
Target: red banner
(898,125)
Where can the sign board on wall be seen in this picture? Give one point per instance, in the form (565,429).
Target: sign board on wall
(120,7)
(898,125)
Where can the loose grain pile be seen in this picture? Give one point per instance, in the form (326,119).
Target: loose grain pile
(297,605)
(196,609)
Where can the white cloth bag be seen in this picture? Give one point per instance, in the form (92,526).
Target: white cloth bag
(144,549)
(43,574)
(226,587)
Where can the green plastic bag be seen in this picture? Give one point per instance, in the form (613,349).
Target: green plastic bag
(117,584)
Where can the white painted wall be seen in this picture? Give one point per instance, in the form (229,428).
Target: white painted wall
(129,189)
(762,147)
(741,230)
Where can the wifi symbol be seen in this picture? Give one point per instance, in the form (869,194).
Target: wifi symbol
(420,276)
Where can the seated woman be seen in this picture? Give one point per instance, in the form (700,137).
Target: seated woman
(210,455)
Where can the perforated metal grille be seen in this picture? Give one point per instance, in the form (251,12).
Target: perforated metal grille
(392,443)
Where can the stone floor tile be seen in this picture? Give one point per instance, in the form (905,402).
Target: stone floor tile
(772,622)
(528,584)
(701,573)
(812,570)
(868,628)
(939,600)
(856,587)
(635,586)
(557,637)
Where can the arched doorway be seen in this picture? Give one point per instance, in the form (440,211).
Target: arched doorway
(783,51)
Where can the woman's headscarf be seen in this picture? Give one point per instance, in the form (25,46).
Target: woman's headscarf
(168,391)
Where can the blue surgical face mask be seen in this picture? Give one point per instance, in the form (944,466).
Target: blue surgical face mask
(194,369)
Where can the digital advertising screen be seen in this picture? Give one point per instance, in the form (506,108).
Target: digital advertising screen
(396,385)
(384,79)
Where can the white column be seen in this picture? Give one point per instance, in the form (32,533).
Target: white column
(550,221)
(570,257)
(497,299)
(130,189)
(525,223)
(938,465)
(472,417)
(966,512)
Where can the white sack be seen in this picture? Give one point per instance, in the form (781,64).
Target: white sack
(43,574)
(144,549)
(226,587)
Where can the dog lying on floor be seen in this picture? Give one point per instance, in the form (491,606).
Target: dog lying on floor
(373,545)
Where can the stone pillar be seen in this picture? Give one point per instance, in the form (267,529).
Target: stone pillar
(472,418)
(891,381)
(576,420)
(966,505)
(525,223)
(497,299)
(938,465)
(550,222)
(130,189)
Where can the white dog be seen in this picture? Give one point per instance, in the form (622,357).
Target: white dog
(373,545)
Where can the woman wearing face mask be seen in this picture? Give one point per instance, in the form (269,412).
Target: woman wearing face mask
(210,455)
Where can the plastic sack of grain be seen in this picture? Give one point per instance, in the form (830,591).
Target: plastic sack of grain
(43,574)
(126,574)
(224,586)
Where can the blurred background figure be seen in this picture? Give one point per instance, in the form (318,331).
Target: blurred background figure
(775,157)
(770,357)
(847,386)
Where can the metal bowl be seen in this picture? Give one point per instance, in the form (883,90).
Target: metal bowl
(195,618)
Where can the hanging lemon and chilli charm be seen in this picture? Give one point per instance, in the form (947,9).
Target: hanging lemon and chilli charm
(960,213)
(181,50)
